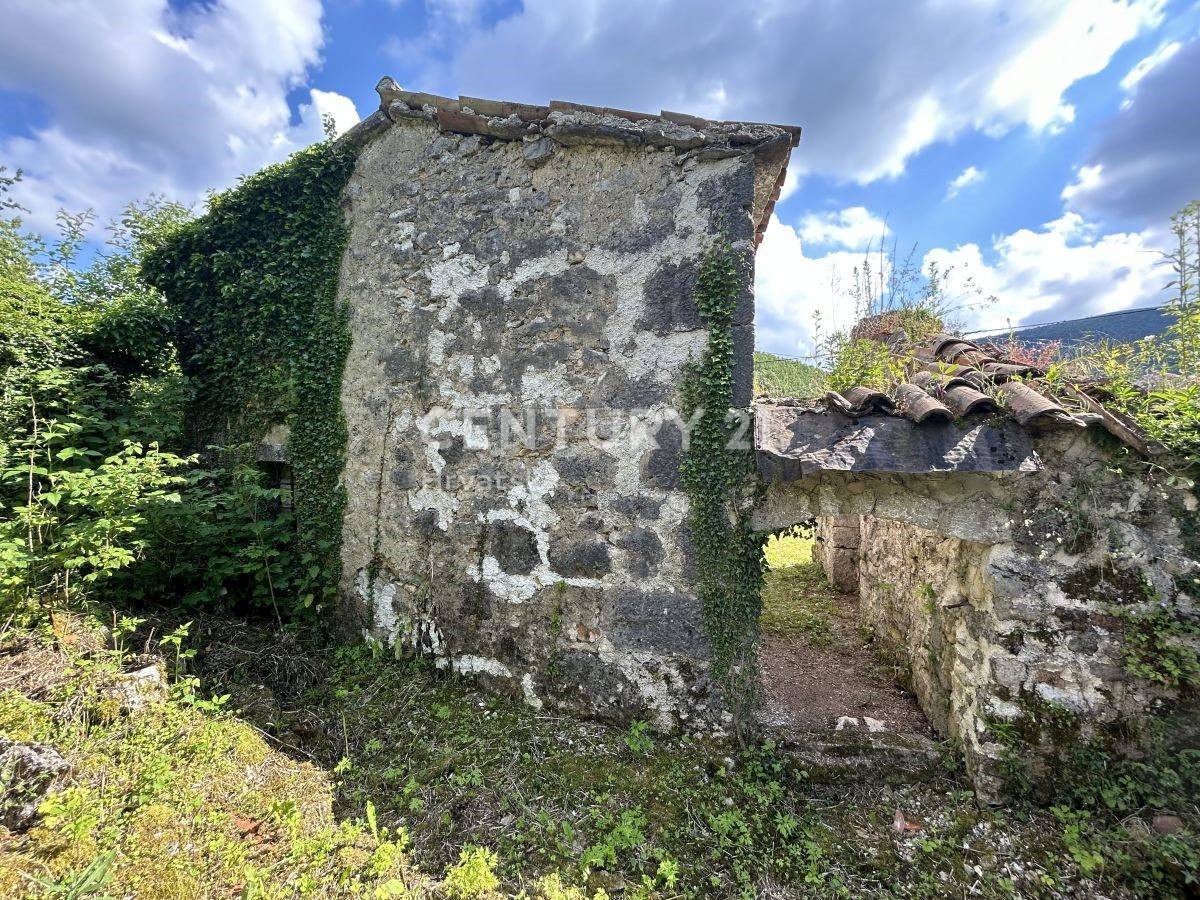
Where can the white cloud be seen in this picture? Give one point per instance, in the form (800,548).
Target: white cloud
(854,228)
(145,98)
(1149,64)
(1065,269)
(1087,178)
(847,72)
(1075,41)
(1143,164)
(967,177)
(793,291)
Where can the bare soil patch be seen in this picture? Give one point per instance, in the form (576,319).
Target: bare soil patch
(819,669)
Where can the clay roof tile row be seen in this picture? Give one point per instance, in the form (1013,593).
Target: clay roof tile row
(951,378)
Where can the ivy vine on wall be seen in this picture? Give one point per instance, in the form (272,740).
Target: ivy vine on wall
(719,481)
(261,338)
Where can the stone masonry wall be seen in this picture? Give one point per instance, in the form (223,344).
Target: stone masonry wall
(522,318)
(916,588)
(1006,600)
(835,547)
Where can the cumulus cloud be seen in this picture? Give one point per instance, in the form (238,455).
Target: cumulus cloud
(1144,164)
(144,97)
(796,294)
(854,228)
(848,72)
(1063,270)
(967,177)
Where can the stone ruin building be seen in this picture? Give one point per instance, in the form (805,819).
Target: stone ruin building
(513,270)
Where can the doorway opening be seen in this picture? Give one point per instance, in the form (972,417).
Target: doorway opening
(821,669)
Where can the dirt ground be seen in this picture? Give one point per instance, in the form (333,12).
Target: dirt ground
(811,685)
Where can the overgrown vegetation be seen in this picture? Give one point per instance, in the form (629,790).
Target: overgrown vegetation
(890,293)
(718,478)
(1156,381)
(100,492)
(171,796)
(262,340)
(89,410)
(407,775)
(778,376)
(1124,819)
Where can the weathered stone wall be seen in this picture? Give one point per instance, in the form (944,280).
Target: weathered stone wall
(522,317)
(1012,595)
(916,591)
(835,548)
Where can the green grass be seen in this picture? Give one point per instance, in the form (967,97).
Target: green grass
(776,376)
(797,599)
(176,800)
(349,772)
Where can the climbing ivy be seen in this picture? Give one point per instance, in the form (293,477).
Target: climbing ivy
(718,478)
(261,338)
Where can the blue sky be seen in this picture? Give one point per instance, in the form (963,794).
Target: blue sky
(1036,148)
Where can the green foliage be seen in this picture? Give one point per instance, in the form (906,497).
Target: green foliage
(80,522)
(262,340)
(179,773)
(777,376)
(1156,381)
(865,362)
(718,478)
(473,876)
(86,392)
(1104,799)
(638,739)
(1160,647)
(230,541)
(797,598)
(84,884)
(1101,793)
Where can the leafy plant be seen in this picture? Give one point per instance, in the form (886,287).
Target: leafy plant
(473,876)
(262,340)
(719,481)
(864,362)
(85,884)
(638,739)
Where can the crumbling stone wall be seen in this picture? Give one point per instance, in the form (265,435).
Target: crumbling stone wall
(522,318)
(1018,594)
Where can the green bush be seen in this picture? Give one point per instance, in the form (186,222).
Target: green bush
(99,498)
(778,376)
(81,468)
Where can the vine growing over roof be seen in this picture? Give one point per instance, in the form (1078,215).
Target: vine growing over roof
(261,338)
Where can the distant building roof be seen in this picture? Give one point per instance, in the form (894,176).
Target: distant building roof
(1123,326)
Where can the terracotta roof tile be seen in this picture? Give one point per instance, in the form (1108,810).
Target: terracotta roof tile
(916,404)
(964,400)
(1027,405)
(999,370)
(952,379)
